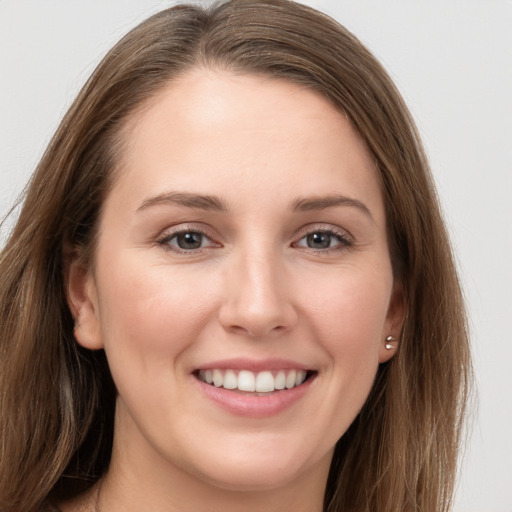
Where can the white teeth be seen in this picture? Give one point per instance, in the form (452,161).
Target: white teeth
(301,376)
(290,379)
(280,380)
(262,382)
(246,381)
(230,380)
(218,378)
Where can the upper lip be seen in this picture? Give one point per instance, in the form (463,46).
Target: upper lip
(255,365)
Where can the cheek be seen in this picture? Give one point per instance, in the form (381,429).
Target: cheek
(350,322)
(151,316)
(352,310)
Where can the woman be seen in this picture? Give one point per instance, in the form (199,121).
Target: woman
(230,287)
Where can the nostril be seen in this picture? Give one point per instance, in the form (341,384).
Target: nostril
(256,330)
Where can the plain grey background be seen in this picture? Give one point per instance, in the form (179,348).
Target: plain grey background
(452,61)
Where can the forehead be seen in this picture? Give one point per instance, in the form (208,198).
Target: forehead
(230,134)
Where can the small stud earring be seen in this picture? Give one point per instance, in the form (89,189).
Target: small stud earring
(389,345)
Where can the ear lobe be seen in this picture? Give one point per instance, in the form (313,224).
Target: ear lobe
(393,326)
(82,301)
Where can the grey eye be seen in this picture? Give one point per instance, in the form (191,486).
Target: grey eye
(319,240)
(189,240)
(323,240)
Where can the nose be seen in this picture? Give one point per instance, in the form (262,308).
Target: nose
(257,301)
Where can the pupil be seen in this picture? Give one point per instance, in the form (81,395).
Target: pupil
(189,241)
(319,240)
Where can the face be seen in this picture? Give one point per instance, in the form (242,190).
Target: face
(242,287)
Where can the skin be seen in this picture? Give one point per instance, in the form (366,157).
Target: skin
(255,289)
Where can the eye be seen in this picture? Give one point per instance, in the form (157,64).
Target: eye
(322,240)
(186,241)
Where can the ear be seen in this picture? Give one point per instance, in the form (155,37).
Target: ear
(82,301)
(393,325)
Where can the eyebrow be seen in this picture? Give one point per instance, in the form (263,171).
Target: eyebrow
(214,203)
(197,201)
(322,203)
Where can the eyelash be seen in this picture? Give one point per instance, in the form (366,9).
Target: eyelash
(345,242)
(165,240)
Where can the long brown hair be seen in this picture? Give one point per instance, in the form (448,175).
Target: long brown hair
(57,399)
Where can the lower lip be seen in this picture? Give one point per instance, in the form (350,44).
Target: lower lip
(253,405)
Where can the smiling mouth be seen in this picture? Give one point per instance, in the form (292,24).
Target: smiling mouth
(246,381)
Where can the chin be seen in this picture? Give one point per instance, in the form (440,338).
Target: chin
(251,478)
(262,470)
